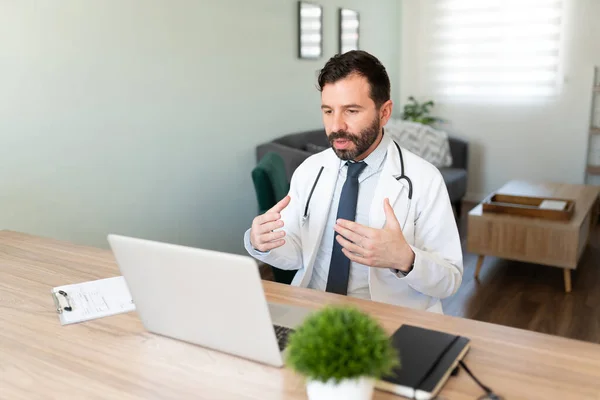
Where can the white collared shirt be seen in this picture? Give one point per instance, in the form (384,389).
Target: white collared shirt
(358,283)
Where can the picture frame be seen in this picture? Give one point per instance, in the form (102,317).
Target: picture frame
(310,30)
(348,30)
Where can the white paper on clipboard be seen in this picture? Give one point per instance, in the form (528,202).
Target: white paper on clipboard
(94,299)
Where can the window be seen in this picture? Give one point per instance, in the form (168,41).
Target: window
(494,48)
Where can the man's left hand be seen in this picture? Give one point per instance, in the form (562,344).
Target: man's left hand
(382,248)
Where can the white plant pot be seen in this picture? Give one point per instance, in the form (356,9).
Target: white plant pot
(347,389)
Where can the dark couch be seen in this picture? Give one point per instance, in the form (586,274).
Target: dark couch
(296,147)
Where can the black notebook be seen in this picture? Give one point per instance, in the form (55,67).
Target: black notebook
(427,359)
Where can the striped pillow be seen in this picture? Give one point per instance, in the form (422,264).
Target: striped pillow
(423,140)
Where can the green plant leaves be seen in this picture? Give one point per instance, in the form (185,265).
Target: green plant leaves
(414,111)
(338,343)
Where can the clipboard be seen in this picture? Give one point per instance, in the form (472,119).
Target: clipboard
(91,300)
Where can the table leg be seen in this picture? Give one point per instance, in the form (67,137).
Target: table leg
(594,213)
(478,268)
(567,276)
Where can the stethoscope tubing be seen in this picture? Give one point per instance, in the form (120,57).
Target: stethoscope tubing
(402,176)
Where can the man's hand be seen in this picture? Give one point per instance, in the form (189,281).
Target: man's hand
(262,236)
(382,248)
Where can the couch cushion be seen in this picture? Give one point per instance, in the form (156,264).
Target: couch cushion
(423,140)
(315,148)
(299,140)
(456,182)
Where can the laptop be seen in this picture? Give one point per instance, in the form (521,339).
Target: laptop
(205,297)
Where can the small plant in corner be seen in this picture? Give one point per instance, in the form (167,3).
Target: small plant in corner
(340,351)
(419,112)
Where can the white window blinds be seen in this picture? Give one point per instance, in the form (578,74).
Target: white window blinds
(494,48)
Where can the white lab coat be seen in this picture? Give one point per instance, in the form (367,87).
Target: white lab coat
(430,229)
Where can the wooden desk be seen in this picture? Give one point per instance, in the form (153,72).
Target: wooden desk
(114,358)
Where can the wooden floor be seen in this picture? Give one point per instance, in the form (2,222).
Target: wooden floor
(528,296)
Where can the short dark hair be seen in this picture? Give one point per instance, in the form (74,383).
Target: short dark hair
(362,63)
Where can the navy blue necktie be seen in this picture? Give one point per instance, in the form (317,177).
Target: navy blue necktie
(339,268)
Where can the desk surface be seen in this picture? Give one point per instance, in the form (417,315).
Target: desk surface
(115,357)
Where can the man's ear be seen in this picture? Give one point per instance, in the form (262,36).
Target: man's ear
(385,112)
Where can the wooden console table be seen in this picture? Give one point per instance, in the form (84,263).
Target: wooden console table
(545,242)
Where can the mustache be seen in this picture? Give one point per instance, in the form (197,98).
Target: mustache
(342,135)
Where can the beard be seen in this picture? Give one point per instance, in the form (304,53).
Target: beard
(362,141)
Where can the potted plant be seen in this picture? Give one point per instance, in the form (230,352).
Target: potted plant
(419,112)
(341,352)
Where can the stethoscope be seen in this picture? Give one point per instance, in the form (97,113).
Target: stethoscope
(398,178)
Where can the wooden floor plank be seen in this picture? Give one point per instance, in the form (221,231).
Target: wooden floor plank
(530,296)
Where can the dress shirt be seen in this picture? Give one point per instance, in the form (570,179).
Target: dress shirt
(358,283)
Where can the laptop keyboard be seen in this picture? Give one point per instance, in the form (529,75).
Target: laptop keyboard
(282,335)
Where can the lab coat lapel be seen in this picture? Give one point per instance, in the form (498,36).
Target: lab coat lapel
(387,187)
(321,201)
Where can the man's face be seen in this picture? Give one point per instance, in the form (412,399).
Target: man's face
(351,118)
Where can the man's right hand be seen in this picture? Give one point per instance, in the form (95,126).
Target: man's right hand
(262,236)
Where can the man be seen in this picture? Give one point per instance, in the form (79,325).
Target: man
(363,218)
